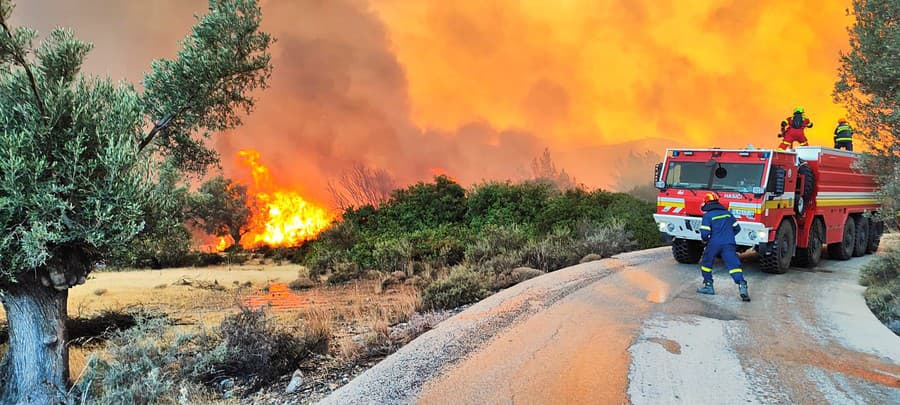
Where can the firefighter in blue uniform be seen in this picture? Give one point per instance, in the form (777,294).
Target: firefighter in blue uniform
(718,229)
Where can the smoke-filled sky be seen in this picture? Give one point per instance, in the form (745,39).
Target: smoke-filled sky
(477,89)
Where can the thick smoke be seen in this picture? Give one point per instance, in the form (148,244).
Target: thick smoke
(478,89)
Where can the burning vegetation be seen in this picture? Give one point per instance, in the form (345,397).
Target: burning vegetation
(283,217)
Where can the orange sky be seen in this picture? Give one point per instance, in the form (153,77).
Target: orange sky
(480,88)
(580,71)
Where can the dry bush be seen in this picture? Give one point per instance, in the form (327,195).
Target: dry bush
(100,291)
(317,331)
(301,284)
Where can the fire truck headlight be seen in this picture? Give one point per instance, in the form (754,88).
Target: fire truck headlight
(752,235)
(762,234)
(662,226)
(671,227)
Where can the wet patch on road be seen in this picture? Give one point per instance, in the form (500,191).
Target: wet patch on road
(671,346)
(705,369)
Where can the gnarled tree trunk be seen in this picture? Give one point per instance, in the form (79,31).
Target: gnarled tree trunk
(35,369)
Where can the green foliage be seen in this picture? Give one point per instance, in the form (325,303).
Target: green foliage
(426,205)
(462,287)
(868,89)
(209,84)
(882,277)
(80,175)
(164,241)
(493,228)
(222,208)
(506,203)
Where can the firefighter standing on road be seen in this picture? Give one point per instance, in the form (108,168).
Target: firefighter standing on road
(792,130)
(843,135)
(718,229)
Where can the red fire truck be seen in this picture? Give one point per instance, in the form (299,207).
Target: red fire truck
(789,204)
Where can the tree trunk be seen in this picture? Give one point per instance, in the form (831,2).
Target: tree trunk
(236,236)
(36,365)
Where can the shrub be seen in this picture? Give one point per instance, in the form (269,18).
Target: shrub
(393,254)
(203,259)
(151,363)
(555,251)
(605,240)
(496,240)
(462,287)
(344,272)
(140,367)
(301,283)
(882,277)
(256,349)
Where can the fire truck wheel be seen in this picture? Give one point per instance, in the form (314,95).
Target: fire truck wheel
(687,251)
(844,249)
(862,235)
(876,229)
(811,255)
(780,260)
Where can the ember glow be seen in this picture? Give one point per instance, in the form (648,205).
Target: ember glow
(284,217)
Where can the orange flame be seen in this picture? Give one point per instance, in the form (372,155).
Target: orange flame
(220,247)
(284,217)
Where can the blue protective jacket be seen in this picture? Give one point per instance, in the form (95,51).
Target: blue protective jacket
(718,226)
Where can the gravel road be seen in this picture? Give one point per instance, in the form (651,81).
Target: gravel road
(632,329)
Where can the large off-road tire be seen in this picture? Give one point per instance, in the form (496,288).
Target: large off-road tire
(687,251)
(803,197)
(862,235)
(782,250)
(811,255)
(876,229)
(843,250)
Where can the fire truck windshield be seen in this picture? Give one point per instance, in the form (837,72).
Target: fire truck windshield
(740,177)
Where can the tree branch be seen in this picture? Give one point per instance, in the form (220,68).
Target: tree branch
(20,59)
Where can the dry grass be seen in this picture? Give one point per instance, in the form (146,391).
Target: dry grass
(331,314)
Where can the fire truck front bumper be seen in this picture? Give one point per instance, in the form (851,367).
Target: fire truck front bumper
(681,227)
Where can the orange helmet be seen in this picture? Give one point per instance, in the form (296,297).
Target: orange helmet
(710,197)
(842,120)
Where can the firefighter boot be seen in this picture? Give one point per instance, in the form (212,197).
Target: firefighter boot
(742,289)
(707,288)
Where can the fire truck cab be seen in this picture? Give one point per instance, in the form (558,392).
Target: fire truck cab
(789,204)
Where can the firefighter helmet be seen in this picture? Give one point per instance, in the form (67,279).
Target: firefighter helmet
(798,110)
(842,120)
(710,197)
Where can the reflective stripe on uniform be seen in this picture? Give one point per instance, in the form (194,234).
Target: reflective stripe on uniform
(706,269)
(734,225)
(732,271)
(842,139)
(705,228)
(723,216)
(804,143)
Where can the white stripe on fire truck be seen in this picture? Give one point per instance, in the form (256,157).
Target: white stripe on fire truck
(835,198)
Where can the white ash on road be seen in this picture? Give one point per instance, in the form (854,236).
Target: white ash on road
(632,329)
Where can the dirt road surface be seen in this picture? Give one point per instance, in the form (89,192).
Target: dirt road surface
(632,329)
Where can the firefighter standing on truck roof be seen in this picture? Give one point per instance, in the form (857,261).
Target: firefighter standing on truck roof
(843,135)
(792,130)
(718,229)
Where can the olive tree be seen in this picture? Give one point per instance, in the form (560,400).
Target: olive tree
(222,207)
(869,87)
(79,156)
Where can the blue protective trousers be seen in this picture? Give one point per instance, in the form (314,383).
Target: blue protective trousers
(728,253)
